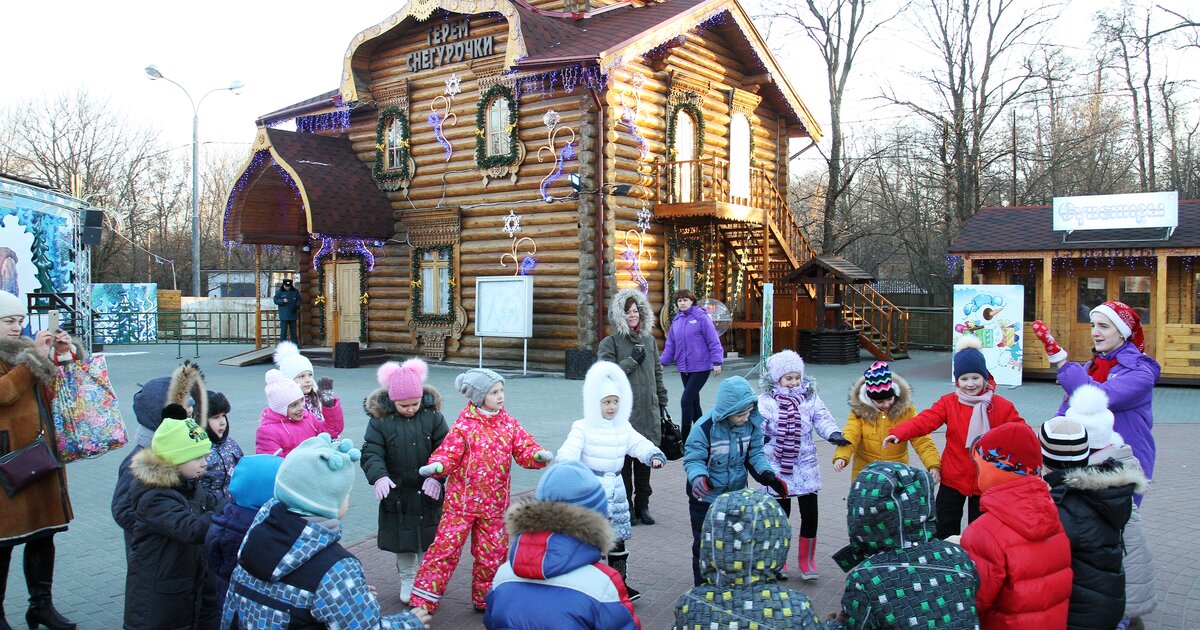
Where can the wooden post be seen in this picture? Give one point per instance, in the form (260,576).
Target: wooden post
(1046,294)
(258,314)
(966,270)
(334,335)
(1160,307)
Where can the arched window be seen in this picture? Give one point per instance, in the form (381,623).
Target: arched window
(497,127)
(739,156)
(685,150)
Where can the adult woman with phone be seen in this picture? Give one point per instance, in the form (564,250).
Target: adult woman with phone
(632,346)
(41,508)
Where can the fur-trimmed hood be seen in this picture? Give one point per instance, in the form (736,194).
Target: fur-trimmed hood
(188,380)
(860,404)
(598,383)
(1110,474)
(583,524)
(379,405)
(154,471)
(616,313)
(20,351)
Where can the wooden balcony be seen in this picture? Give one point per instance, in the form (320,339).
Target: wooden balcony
(702,188)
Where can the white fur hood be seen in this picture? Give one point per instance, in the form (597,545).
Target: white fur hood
(601,379)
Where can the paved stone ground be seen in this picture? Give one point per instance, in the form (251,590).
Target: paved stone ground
(89,585)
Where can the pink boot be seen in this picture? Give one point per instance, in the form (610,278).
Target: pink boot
(806,556)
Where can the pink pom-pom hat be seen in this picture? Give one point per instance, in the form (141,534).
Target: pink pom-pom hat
(404,381)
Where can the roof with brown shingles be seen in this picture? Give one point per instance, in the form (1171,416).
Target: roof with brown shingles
(1031,228)
(554,39)
(839,268)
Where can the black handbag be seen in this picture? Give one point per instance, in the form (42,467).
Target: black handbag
(671,443)
(26,465)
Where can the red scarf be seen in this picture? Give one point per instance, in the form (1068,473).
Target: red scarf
(1099,367)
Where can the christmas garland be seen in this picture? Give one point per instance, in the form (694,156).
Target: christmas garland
(362,290)
(482,159)
(694,110)
(417,295)
(398,171)
(674,246)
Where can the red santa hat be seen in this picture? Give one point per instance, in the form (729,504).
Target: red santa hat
(1127,321)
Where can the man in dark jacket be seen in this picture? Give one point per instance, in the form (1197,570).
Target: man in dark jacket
(1094,503)
(287,298)
(898,574)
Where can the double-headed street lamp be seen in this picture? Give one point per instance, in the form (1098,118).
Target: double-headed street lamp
(154,74)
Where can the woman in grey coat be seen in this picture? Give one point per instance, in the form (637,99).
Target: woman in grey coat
(632,346)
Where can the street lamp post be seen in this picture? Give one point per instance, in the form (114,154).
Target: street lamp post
(154,74)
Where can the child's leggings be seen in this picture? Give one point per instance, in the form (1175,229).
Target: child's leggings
(489,546)
(807,503)
(950,511)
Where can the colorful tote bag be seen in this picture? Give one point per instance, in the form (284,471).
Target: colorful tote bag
(87,418)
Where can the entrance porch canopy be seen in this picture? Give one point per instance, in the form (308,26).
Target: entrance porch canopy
(298,186)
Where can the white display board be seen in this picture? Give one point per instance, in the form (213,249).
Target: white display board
(504,306)
(1113,212)
(995,314)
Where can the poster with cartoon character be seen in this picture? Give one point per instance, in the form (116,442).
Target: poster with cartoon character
(995,314)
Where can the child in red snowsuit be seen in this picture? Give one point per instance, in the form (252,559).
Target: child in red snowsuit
(476,459)
(968,412)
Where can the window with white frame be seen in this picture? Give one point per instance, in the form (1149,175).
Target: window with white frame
(435,281)
(499,137)
(396,144)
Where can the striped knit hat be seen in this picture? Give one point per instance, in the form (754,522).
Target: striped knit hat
(879,385)
(1064,444)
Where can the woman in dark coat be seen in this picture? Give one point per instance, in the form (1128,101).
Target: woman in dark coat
(632,346)
(43,508)
(394,447)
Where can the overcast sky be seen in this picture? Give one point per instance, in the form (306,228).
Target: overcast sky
(286,51)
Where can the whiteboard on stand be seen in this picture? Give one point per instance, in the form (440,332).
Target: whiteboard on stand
(504,306)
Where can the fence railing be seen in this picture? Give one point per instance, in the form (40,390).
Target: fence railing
(138,327)
(929,327)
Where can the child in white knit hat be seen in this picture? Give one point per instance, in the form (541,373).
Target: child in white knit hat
(292,571)
(285,422)
(319,399)
(476,461)
(406,425)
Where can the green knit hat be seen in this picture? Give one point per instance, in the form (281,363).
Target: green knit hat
(179,441)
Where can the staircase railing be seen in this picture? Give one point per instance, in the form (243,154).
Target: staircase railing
(878,314)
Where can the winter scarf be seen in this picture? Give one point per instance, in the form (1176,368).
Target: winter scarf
(980,404)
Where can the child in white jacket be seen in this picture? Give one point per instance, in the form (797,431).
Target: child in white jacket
(601,440)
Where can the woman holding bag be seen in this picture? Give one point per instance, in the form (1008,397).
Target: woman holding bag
(42,508)
(695,348)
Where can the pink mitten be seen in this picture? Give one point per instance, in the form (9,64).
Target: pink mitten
(1054,352)
(432,489)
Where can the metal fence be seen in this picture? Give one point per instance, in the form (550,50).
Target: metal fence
(140,327)
(929,327)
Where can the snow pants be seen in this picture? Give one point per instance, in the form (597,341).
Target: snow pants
(489,547)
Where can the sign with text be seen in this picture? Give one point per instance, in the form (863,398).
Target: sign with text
(1115,212)
(447,42)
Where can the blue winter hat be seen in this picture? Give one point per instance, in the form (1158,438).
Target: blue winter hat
(315,477)
(253,480)
(968,359)
(148,403)
(572,482)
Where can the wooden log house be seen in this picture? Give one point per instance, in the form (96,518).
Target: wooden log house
(595,145)
(1065,276)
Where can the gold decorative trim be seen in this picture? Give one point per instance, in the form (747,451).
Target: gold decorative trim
(743,101)
(428,232)
(354,87)
(392,95)
(686,87)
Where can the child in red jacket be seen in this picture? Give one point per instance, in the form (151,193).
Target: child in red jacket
(968,412)
(1019,547)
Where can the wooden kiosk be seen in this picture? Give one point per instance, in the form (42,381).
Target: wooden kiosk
(838,320)
(1066,273)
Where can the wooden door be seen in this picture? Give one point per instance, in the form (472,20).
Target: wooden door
(349,308)
(1090,287)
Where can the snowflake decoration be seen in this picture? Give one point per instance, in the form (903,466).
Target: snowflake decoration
(551,118)
(643,218)
(637,80)
(453,85)
(512,224)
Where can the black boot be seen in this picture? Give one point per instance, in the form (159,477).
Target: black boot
(39,577)
(619,559)
(5,556)
(643,515)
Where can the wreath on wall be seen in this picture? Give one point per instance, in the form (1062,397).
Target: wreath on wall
(362,291)
(482,159)
(400,171)
(674,246)
(694,110)
(417,295)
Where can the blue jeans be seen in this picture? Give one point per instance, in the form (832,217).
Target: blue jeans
(689,400)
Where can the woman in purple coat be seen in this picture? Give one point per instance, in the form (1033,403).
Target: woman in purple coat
(693,346)
(1121,368)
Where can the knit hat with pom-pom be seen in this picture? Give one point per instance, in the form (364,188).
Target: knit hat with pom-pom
(403,381)
(784,362)
(281,392)
(879,385)
(1089,406)
(291,363)
(315,478)
(968,359)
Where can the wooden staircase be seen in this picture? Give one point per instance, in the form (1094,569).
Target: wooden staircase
(761,234)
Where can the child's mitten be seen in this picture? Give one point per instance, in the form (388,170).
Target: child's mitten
(383,487)
(429,470)
(543,456)
(1054,352)
(836,439)
(432,489)
(700,487)
(325,391)
(774,482)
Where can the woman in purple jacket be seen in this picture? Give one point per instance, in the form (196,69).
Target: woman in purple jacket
(1120,367)
(693,346)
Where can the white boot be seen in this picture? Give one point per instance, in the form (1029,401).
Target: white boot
(407,565)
